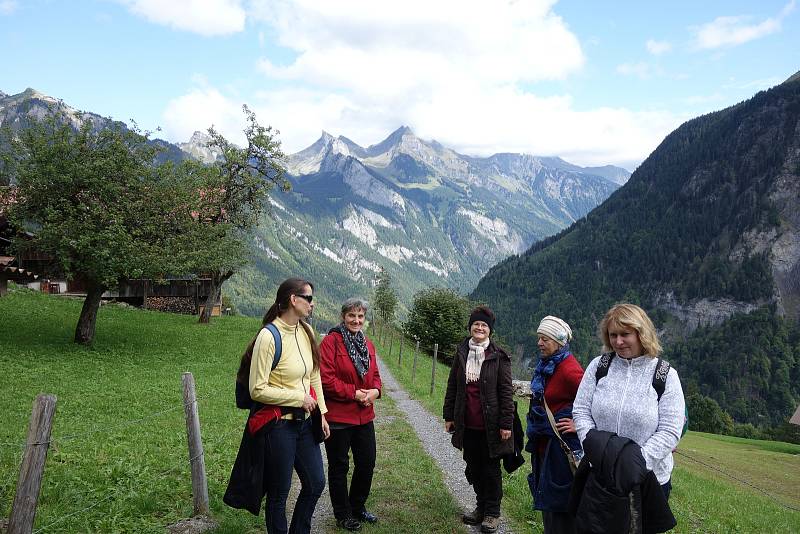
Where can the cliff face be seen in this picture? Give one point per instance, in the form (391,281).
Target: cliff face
(785,249)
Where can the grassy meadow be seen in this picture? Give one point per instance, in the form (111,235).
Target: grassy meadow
(703,499)
(118,460)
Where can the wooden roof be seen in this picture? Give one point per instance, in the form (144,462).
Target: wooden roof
(795,420)
(9,271)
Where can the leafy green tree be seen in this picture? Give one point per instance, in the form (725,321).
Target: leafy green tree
(438,315)
(385,296)
(705,415)
(96,203)
(233,192)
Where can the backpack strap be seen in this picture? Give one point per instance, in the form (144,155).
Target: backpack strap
(602,366)
(660,377)
(241,389)
(278,344)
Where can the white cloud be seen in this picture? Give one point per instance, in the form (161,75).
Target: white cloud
(472,122)
(418,44)
(199,109)
(658,47)
(736,30)
(8,6)
(206,17)
(458,72)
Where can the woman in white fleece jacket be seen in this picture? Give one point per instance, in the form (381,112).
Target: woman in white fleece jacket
(624,401)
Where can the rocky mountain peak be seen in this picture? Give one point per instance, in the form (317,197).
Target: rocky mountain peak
(197,147)
(392,141)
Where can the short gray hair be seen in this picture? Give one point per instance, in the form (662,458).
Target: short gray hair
(354,303)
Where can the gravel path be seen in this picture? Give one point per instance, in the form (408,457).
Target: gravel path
(430,431)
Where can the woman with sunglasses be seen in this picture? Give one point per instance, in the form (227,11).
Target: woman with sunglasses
(294,386)
(352,383)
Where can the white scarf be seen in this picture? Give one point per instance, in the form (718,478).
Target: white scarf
(475,359)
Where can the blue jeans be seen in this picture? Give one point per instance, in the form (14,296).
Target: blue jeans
(291,445)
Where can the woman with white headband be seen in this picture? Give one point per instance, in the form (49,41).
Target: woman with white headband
(553,387)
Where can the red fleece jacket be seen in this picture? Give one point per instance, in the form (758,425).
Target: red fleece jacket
(340,381)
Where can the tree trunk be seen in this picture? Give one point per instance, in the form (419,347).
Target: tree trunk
(3,287)
(217,279)
(84,332)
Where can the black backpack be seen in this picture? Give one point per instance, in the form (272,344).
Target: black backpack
(659,380)
(243,399)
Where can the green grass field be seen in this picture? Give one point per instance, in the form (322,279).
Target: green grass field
(704,499)
(118,460)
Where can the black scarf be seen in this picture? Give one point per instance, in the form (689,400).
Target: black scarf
(356,345)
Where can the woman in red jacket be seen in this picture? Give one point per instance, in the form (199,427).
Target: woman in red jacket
(351,383)
(553,386)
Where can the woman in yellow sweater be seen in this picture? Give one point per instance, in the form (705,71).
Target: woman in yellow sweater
(294,385)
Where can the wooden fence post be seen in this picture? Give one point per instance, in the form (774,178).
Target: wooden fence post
(400,354)
(433,365)
(29,484)
(196,459)
(380,334)
(414,366)
(391,340)
(372,324)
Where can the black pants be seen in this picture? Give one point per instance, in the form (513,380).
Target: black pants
(361,440)
(483,472)
(558,523)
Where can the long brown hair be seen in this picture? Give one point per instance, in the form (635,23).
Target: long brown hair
(289,287)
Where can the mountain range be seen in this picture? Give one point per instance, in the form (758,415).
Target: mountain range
(427,214)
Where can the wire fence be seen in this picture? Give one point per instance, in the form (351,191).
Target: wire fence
(180,465)
(741,480)
(114,493)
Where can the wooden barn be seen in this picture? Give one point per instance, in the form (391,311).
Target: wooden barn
(175,294)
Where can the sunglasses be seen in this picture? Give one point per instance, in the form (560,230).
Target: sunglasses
(307,298)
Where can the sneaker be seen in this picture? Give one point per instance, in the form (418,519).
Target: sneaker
(490,524)
(473,518)
(349,523)
(369,517)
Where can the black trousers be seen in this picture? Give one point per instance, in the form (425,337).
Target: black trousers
(361,440)
(483,472)
(558,523)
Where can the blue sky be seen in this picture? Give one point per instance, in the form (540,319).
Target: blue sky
(593,82)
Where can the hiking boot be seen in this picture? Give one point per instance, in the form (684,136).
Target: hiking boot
(349,523)
(473,518)
(490,524)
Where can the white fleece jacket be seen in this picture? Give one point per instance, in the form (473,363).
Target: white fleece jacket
(625,402)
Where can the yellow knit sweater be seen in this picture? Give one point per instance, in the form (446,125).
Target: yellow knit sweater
(289,382)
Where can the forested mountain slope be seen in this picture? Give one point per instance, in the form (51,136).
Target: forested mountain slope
(706,233)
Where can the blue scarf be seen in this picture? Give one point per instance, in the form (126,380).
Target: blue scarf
(545,368)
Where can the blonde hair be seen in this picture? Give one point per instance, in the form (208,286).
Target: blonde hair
(631,316)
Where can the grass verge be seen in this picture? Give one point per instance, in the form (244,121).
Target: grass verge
(118,460)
